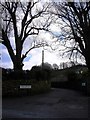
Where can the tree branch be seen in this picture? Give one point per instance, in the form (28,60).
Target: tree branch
(35,46)
(6,42)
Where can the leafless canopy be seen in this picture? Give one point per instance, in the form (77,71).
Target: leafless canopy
(19,21)
(75,26)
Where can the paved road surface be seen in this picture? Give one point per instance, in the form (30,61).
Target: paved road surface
(59,103)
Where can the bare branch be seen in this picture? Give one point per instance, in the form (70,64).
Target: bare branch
(35,46)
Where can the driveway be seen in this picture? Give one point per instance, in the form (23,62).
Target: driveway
(58,103)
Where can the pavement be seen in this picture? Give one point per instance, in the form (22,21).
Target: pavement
(58,103)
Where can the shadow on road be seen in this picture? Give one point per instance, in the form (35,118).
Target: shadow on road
(59,103)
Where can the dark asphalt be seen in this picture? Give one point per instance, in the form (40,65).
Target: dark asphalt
(59,103)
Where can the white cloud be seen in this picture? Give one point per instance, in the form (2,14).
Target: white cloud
(6,64)
(36,59)
(36,54)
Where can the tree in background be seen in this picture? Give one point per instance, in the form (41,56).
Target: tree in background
(55,66)
(47,66)
(19,21)
(41,72)
(74,19)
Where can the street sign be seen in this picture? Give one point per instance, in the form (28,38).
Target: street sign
(25,86)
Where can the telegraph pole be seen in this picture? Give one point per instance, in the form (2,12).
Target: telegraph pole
(43,56)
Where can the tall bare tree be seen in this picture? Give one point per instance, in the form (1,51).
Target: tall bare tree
(75,24)
(19,21)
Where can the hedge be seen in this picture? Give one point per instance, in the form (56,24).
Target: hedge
(12,87)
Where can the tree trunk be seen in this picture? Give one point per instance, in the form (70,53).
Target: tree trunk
(18,71)
(87,48)
(18,64)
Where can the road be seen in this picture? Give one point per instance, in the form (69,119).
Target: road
(59,103)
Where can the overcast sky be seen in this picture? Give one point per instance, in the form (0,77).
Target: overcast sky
(35,55)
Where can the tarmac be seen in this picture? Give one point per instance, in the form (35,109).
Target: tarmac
(58,103)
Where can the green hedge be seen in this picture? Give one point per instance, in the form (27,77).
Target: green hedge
(12,87)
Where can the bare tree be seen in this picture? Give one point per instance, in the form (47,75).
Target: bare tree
(19,21)
(75,27)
